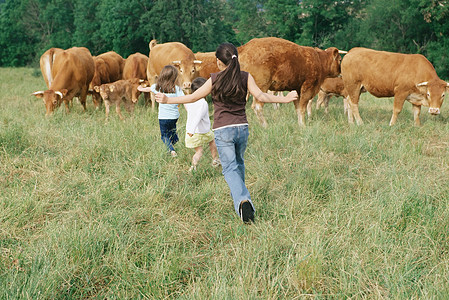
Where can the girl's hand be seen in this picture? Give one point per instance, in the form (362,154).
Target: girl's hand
(292,96)
(143,89)
(161,98)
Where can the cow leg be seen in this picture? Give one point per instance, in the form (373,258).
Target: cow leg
(107,104)
(66,103)
(416,112)
(301,107)
(354,112)
(276,105)
(147,98)
(118,110)
(128,106)
(353,107)
(309,108)
(397,107)
(153,101)
(326,103)
(131,108)
(257,106)
(96,100)
(305,95)
(83,98)
(320,99)
(345,105)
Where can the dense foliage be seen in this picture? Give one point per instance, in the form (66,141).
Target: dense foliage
(29,27)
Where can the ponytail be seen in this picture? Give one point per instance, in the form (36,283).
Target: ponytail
(228,86)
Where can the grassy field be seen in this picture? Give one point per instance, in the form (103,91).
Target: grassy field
(100,211)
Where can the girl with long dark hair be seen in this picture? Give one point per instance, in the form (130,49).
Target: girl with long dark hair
(229,88)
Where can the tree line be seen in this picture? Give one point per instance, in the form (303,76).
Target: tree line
(29,27)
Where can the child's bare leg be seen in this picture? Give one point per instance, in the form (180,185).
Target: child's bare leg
(196,157)
(213,150)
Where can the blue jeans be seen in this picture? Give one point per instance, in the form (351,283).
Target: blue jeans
(231,144)
(168,132)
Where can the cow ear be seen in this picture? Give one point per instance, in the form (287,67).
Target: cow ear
(198,64)
(336,54)
(97,88)
(64,92)
(39,94)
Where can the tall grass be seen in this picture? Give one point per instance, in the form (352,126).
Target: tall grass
(95,210)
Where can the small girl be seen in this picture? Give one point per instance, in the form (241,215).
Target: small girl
(168,113)
(198,130)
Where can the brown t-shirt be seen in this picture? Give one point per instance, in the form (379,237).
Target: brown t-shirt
(231,112)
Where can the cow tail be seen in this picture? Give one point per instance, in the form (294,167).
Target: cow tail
(152,44)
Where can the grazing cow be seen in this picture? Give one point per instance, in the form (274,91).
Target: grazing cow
(108,68)
(71,72)
(279,65)
(136,67)
(117,92)
(176,54)
(386,74)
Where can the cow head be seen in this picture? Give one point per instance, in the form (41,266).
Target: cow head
(52,99)
(434,92)
(335,62)
(135,83)
(188,70)
(104,90)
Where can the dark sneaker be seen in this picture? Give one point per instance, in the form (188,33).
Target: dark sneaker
(246,212)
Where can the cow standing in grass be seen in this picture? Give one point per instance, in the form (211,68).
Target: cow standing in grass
(408,77)
(108,68)
(176,54)
(71,72)
(116,93)
(136,67)
(280,65)
(331,87)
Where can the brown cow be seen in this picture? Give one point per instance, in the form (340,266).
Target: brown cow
(71,72)
(117,92)
(386,74)
(331,87)
(208,64)
(108,68)
(176,54)
(277,64)
(136,67)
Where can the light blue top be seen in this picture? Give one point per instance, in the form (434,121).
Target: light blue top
(168,111)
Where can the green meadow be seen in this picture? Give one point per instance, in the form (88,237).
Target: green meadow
(99,210)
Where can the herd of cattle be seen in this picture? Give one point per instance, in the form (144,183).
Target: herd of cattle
(276,65)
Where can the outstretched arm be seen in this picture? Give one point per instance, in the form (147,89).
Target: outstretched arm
(202,92)
(264,97)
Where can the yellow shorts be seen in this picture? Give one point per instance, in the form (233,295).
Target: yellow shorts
(199,139)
